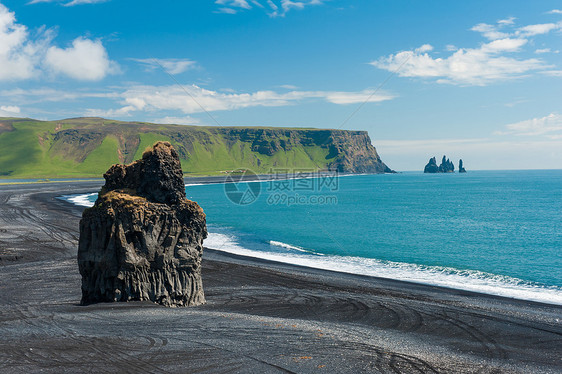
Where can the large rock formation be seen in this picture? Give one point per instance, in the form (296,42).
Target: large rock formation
(446,166)
(143,240)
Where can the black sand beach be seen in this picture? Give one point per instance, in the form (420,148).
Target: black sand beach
(260,317)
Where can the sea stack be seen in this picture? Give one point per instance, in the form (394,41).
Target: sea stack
(143,239)
(461,167)
(431,166)
(446,166)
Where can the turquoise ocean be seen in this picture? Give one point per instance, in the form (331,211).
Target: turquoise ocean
(496,232)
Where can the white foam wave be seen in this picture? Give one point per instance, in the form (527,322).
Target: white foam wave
(469,280)
(82,200)
(292,247)
(287,246)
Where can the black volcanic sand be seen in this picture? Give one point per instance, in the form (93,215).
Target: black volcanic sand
(261,317)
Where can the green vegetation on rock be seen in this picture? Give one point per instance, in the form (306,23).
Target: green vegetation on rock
(87,147)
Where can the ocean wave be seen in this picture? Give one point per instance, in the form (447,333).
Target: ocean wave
(81,200)
(468,280)
(292,247)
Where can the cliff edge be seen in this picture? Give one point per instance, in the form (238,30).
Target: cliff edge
(87,147)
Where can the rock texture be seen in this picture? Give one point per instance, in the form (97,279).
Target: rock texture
(431,166)
(354,153)
(461,167)
(143,240)
(446,166)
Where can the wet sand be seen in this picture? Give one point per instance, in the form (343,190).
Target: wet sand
(260,316)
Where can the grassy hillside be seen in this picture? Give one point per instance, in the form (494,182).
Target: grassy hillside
(87,147)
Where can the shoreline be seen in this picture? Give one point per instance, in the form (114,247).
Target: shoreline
(247,259)
(260,316)
(476,281)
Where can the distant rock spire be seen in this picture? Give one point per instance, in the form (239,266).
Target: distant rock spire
(461,167)
(431,166)
(446,166)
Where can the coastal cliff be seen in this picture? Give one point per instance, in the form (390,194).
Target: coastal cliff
(143,240)
(86,147)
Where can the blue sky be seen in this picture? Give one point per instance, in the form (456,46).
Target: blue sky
(478,80)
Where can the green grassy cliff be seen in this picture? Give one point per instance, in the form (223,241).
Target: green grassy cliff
(87,147)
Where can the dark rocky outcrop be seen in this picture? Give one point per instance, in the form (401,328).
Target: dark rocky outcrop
(446,166)
(353,152)
(431,166)
(143,240)
(461,167)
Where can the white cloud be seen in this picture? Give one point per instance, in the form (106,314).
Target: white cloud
(476,66)
(38,95)
(171,65)
(226,11)
(489,31)
(234,3)
(69,3)
(80,2)
(552,73)
(9,110)
(470,66)
(23,58)
(289,86)
(492,32)
(274,8)
(111,113)
(536,126)
(19,56)
(507,21)
(84,60)
(424,48)
(193,99)
(173,98)
(554,11)
(504,45)
(542,50)
(538,29)
(187,120)
(366,96)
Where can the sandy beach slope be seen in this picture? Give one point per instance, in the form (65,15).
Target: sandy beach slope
(261,317)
